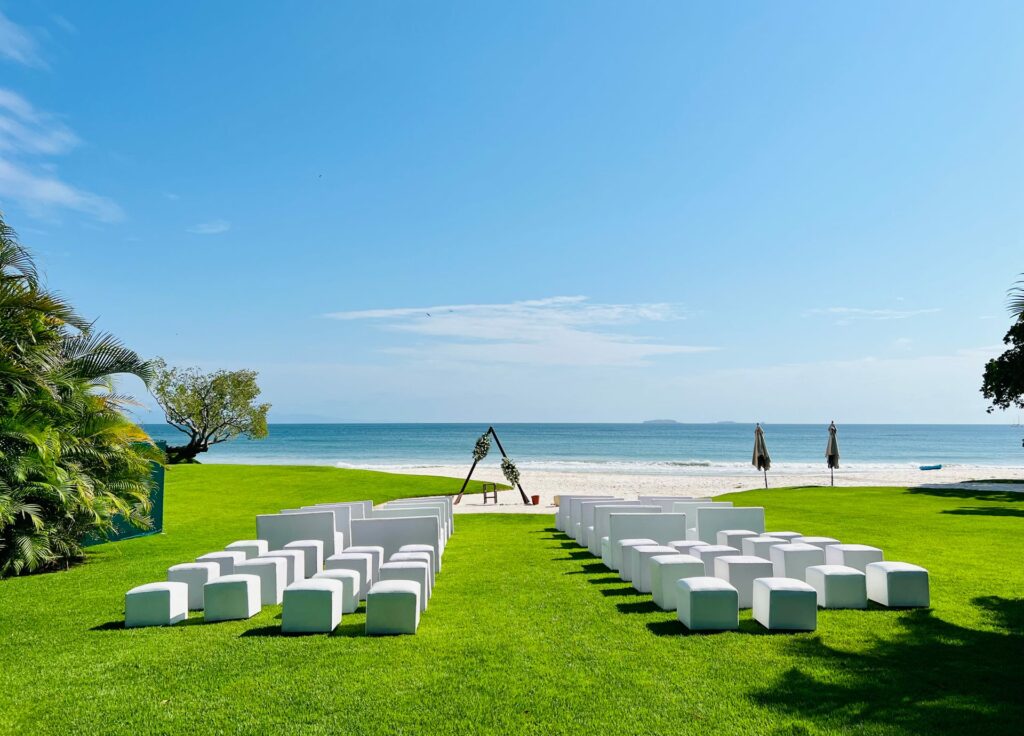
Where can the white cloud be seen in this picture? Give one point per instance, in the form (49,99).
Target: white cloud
(25,130)
(18,45)
(27,135)
(213,227)
(562,330)
(39,193)
(845,315)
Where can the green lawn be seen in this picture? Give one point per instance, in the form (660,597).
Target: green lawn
(526,633)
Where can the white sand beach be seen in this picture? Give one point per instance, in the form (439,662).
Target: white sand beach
(548,484)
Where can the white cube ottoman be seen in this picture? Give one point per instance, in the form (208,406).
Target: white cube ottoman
(709,552)
(761,546)
(393,607)
(312,606)
(666,570)
(791,560)
(156,604)
(361,562)
(417,557)
(376,556)
(641,573)
(231,597)
(435,560)
(350,582)
(740,571)
(295,563)
(624,545)
(734,537)
(838,586)
(857,556)
(821,542)
(707,604)
(313,555)
(685,546)
(897,584)
(783,535)
(784,604)
(273,575)
(225,560)
(249,547)
(195,575)
(417,572)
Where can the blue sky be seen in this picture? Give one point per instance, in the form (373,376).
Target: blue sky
(782,212)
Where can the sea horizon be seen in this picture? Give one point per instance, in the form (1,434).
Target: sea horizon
(678,448)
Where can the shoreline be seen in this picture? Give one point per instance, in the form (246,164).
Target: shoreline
(548,484)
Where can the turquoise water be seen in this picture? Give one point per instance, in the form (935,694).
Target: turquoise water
(628,448)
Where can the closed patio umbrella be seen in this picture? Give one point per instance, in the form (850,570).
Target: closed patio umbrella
(832,451)
(761,459)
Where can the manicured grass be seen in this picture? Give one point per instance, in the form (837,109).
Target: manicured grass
(526,633)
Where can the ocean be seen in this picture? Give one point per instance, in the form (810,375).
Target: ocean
(670,449)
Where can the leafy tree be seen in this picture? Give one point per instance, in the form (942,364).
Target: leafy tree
(209,408)
(70,460)
(1003,382)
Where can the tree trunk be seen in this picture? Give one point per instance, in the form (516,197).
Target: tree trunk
(184,453)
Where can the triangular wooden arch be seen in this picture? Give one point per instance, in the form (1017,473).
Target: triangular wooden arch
(490,431)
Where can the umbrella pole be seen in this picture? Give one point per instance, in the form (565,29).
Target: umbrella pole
(766,479)
(832,471)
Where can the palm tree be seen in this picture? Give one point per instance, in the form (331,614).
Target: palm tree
(70,460)
(1015,303)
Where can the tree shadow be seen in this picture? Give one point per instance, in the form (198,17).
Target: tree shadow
(930,677)
(986,511)
(955,492)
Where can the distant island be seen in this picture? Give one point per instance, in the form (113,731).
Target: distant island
(660,421)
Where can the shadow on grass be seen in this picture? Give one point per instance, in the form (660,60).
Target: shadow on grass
(674,627)
(930,677)
(590,569)
(342,630)
(620,592)
(953,492)
(647,606)
(118,625)
(581,555)
(606,580)
(986,511)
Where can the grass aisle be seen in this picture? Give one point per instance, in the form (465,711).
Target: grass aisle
(526,633)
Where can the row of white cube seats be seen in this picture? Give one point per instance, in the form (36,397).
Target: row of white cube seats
(796,573)
(237,582)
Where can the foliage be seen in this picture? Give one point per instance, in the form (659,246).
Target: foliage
(482,447)
(1003,382)
(209,408)
(575,649)
(1016,301)
(510,471)
(70,461)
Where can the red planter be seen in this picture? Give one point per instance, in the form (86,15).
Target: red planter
(535,500)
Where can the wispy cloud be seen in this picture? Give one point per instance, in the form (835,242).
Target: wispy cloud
(18,45)
(27,137)
(562,330)
(845,315)
(213,227)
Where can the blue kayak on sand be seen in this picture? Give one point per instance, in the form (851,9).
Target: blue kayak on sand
(930,467)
